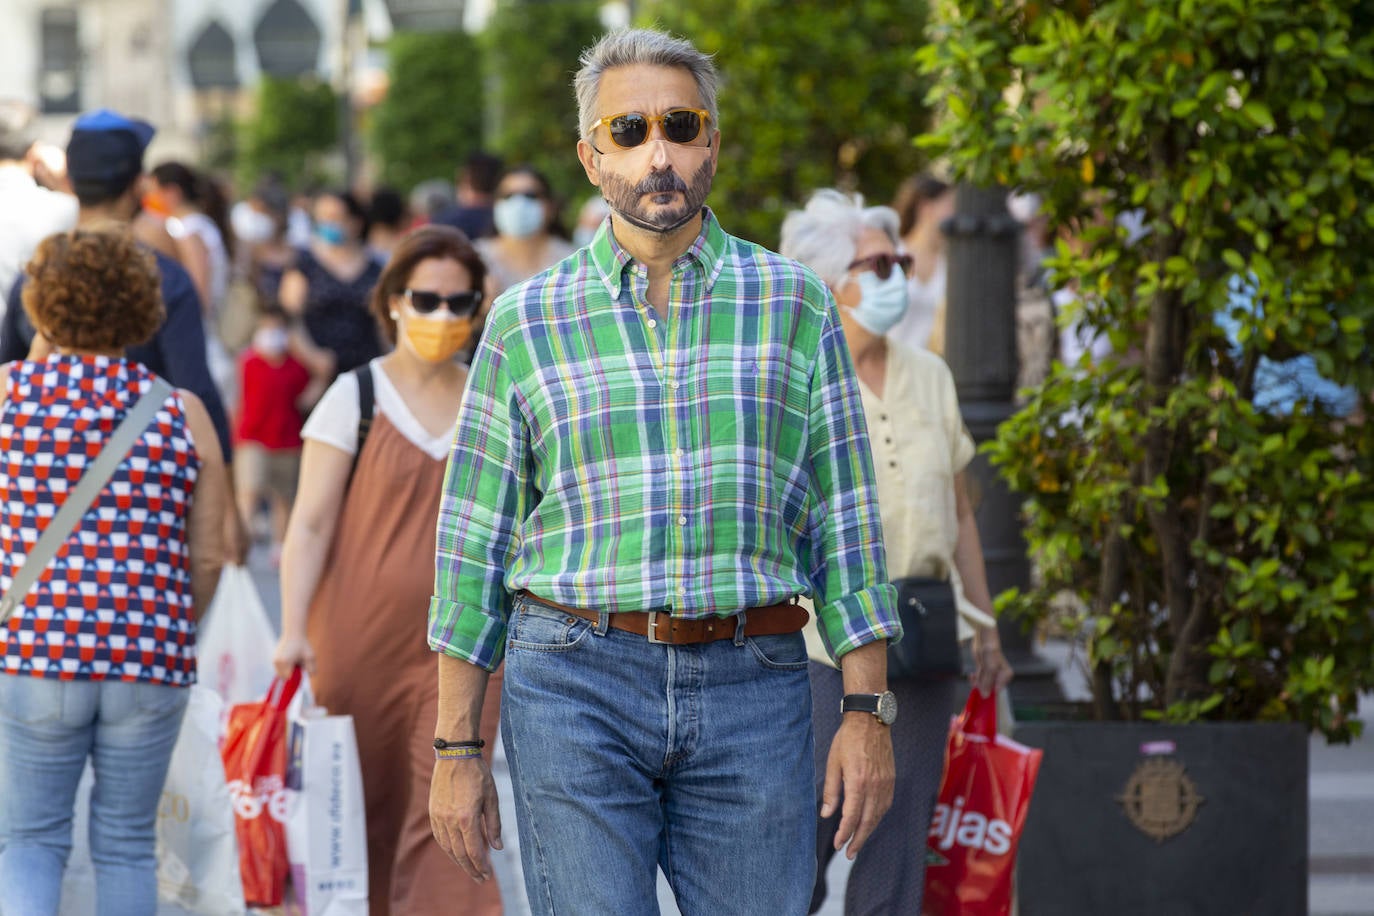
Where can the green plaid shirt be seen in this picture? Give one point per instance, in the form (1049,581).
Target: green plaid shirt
(703,463)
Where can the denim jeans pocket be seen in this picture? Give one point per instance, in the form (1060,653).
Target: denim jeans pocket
(536,628)
(784,652)
(159,699)
(30,700)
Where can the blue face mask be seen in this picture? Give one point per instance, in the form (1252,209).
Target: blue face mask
(331,233)
(883,302)
(518,216)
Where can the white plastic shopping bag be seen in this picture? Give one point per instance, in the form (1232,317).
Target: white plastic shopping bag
(197,848)
(235,641)
(326,821)
(197,853)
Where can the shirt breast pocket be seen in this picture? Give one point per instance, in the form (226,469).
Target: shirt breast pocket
(747,388)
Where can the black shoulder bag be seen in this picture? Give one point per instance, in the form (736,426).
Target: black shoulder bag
(929,648)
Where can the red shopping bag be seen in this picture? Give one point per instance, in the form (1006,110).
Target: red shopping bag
(254,755)
(978,816)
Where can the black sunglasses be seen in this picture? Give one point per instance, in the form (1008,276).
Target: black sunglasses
(882,264)
(461,304)
(532,195)
(680,125)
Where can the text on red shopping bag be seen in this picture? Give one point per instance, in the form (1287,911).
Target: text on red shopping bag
(981,809)
(254,756)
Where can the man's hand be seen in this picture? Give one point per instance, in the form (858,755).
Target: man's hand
(860,764)
(464,813)
(48,165)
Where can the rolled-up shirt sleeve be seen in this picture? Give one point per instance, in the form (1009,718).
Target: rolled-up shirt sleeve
(486,497)
(856,603)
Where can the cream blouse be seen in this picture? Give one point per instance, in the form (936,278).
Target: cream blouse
(919,443)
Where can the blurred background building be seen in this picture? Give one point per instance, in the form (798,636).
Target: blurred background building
(183,63)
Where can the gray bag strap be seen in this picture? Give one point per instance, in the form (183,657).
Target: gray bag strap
(64,522)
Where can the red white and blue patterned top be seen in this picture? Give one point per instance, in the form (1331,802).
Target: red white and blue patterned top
(115,603)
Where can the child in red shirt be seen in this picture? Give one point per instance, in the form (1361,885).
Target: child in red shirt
(280,375)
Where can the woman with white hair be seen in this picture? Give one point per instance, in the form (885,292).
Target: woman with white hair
(920,452)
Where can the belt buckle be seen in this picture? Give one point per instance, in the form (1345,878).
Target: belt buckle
(651,631)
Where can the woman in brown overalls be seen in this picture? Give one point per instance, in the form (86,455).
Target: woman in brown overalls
(358,566)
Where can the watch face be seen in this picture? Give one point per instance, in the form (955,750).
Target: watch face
(887,708)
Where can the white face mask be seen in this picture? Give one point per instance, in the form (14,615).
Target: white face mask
(518,216)
(882,303)
(270,341)
(252,226)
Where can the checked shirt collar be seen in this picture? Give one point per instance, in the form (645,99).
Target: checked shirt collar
(611,261)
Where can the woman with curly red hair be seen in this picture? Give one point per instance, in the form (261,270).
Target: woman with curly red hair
(95,660)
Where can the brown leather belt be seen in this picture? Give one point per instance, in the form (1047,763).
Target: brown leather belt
(660,627)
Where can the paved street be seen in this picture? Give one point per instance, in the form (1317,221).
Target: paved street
(1341,837)
(1342,825)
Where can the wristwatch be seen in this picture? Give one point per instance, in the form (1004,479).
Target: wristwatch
(881,706)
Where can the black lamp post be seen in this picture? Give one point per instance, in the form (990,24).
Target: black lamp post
(980,347)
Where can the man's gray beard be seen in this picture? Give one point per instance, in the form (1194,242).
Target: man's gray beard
(623,198)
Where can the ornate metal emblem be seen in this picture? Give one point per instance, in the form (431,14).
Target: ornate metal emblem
(1160,799)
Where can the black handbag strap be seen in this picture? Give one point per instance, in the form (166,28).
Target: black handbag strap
(367,401)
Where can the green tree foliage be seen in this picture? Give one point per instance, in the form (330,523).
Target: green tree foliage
(1217,553)
(295,125)
(813,94)
(219,144)
(532,48)
(431,118)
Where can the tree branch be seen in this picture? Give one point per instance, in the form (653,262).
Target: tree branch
(1109,585)
(1187,665)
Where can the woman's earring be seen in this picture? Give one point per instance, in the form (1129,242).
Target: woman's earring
(395,315)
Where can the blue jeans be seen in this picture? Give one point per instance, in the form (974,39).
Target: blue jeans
(627,756)
(48,728)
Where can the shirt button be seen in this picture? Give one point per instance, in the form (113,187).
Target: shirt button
(888,440)
(676,385)
(892,464)
(678,453)
(681,590)
(682,519)
(653,323)
(883,417)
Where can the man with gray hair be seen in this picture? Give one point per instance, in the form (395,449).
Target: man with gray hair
(660,446)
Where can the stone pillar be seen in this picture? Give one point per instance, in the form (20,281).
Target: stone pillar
(352,48)
(980,347)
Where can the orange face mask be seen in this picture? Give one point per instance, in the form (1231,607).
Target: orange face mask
(153,203)
(437,339)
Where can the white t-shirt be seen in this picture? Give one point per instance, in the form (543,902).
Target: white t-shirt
(203,227)
(334,421)
(28,215)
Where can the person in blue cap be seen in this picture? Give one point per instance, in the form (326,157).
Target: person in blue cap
(105,168)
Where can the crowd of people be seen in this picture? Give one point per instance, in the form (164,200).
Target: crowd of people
(641,432)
